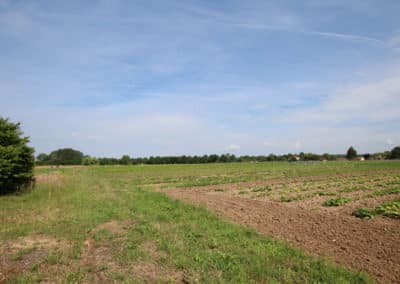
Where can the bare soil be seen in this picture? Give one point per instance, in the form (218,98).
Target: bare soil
(372,245)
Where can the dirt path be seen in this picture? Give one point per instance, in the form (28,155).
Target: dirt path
(366,245)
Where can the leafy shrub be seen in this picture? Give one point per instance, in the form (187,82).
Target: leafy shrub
(16,158)
(336,201)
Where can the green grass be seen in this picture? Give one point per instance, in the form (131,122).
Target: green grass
(190,240)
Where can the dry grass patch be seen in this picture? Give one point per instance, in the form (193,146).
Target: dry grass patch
(53,178)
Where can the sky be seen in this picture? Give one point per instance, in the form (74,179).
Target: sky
(177,77)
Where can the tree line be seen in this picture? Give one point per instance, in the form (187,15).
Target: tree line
(17,158)
(69,156)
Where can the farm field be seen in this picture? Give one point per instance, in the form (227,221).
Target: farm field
(334,222)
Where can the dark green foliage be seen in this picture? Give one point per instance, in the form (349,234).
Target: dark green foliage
(66,156)
(395,153)
(52,159)
(42,158)
(364,213)
(16,158)
(125,160)
(351,153)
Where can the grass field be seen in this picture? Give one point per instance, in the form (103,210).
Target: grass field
(115,223)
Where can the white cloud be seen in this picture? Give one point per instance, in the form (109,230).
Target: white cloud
(298,145)
(374,101)
(389,141)
(233,147)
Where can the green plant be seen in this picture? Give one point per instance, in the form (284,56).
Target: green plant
(286,199)
(389,209)
(364,213)
(261,189)
(336,201)
(388,191)
(16,158)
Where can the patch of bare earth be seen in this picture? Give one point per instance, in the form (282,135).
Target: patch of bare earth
(366,245)
(21,255)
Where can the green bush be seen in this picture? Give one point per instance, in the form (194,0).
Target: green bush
(16,158)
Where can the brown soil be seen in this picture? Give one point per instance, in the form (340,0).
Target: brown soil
(366,245)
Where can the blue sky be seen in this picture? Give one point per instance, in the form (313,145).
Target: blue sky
(197,77)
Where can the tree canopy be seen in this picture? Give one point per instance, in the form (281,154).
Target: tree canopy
(351,153)
(65,156)
(395,153)
(16,158)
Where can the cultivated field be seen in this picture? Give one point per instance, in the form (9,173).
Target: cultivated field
(265,222)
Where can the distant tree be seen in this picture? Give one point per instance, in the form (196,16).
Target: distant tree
(66,156)
(89,161)
(395,153)
(125,160)
(16,158)
(367,156)
(272,157)
(351,153)
(42,159)
(328,157)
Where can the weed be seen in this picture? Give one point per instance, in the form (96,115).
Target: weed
(262,189)
(386,191)
(389,209)
(338,201)
(364,213)
(286,199)
(22,252)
